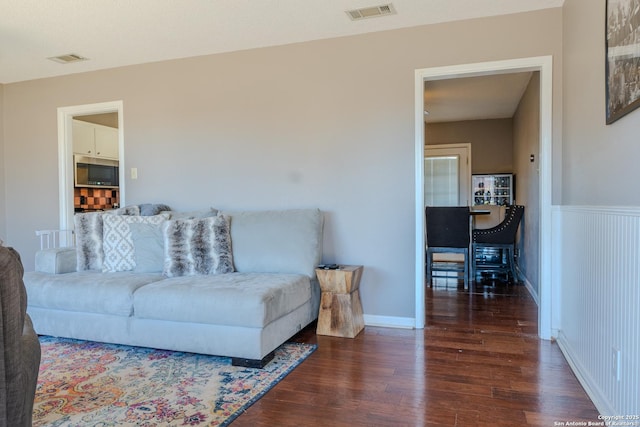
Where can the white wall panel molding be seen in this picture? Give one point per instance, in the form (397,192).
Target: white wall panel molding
(599,272)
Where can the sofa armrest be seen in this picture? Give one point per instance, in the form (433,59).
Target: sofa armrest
(56,260)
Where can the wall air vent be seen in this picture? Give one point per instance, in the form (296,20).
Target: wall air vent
(68,58)
(371,12)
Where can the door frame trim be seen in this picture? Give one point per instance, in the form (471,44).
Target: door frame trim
(65,154)
(544,65)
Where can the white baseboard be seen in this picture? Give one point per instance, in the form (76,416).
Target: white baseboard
(529,287)
(389,321)
(536,298)
(596,395)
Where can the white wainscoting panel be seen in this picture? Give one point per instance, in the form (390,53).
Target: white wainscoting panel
(600,295)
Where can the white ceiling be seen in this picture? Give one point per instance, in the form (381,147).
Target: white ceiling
(472,98)
(113,33)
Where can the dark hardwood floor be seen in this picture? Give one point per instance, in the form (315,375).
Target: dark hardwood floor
(478,362)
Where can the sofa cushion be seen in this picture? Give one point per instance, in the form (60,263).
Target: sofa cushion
(205,213)
(197,246)
(238,299)
(148,247)
(86,291)
(119,251)
(287,241)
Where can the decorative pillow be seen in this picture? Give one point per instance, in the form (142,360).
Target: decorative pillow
(148,246)
(119,252)
(150,209)
(88,230)
(127,210)
(197,246)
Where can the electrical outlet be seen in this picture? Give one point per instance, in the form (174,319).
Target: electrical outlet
(615,365)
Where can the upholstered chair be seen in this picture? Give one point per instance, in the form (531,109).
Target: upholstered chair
(448,231)
(20,355)
(501,238)
(494,217)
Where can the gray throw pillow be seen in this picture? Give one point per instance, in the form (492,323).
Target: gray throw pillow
(198,246)
(117,242)
(149,247)
(150,209)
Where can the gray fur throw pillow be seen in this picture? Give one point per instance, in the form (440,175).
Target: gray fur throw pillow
(88,230)
(205,213)
(197,246)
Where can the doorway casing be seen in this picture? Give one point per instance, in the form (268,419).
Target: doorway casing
(544,65)
(65,154)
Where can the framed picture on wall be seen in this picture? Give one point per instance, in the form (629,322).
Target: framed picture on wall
(623,57)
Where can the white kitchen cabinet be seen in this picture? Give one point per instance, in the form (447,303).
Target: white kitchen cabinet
(95,140)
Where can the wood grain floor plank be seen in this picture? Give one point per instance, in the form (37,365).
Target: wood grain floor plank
(478,362)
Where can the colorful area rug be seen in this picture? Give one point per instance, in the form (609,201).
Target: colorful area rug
(85,383)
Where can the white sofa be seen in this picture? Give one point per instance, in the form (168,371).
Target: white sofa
(246,314)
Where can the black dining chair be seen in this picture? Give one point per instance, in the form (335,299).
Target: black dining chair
(447,232)
(493,249)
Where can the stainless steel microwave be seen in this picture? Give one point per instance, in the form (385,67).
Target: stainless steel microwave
(95,172)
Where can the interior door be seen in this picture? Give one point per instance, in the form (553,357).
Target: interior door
(447,175)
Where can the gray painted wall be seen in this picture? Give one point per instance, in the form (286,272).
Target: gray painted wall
(600,162)
(3,156)
(526,141)
(328,124)
(491,142)
(599,168)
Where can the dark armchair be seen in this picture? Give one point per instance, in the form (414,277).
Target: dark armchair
(20,355)
(447,232)
(500,239)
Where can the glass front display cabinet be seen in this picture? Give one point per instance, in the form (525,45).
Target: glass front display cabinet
(493,189)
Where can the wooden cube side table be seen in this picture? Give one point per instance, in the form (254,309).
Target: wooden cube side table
(340,307)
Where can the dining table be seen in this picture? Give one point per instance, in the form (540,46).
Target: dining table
(479,211)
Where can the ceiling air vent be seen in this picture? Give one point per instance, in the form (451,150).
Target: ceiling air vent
(371,12)
(68,59)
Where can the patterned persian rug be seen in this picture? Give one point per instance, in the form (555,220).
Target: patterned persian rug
(85,383)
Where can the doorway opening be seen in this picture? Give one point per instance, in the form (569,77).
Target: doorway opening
(544,66)
(447,179)
(66,179)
